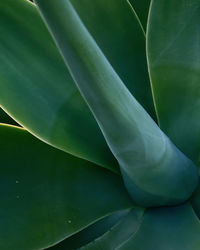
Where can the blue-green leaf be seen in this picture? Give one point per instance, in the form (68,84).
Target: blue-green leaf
(175,228)
(119,233)
(37,89)
(48,195)
(90,233)
(154,170)
(173,52)
(120,37)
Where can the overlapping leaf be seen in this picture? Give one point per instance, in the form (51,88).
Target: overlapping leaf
(30,64)
(120,37)
(141,7)
(119,233)
(92,232)
(175,228)
(47,195)
(38,91)
(59,195)
(160,176)
(173,52)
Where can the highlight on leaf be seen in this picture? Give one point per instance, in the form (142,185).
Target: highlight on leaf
(107,95)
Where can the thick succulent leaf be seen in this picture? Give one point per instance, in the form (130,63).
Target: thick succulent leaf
(162,175)
(37,89)
(90,233)
(119,233)
(5,118)
(175,228)
(173,52)
(120,37)
(61,107)
(47,195)
(141,7)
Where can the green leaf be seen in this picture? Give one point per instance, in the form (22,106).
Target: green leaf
(60,105)
(37,89)
(120,37)
(47,195)
(175,228)
(173,52)
(119,233)
(155,171)
(141,7)
(90,233)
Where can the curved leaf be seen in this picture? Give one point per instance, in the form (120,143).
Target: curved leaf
(38,91)
(90,233)
(141,7)
(173,52)
(175,228)
(160,176)
(47,195)
(122,231)
(61,107)
(120,37)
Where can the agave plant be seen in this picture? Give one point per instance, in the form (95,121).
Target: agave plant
(108,150)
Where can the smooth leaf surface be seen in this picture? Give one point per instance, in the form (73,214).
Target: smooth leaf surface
(90,233)
(141,7)
(173,52)
(60,105)
(175,228)
(120,37)
(119,233)
(37,89)
(47,195)
(155,172)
